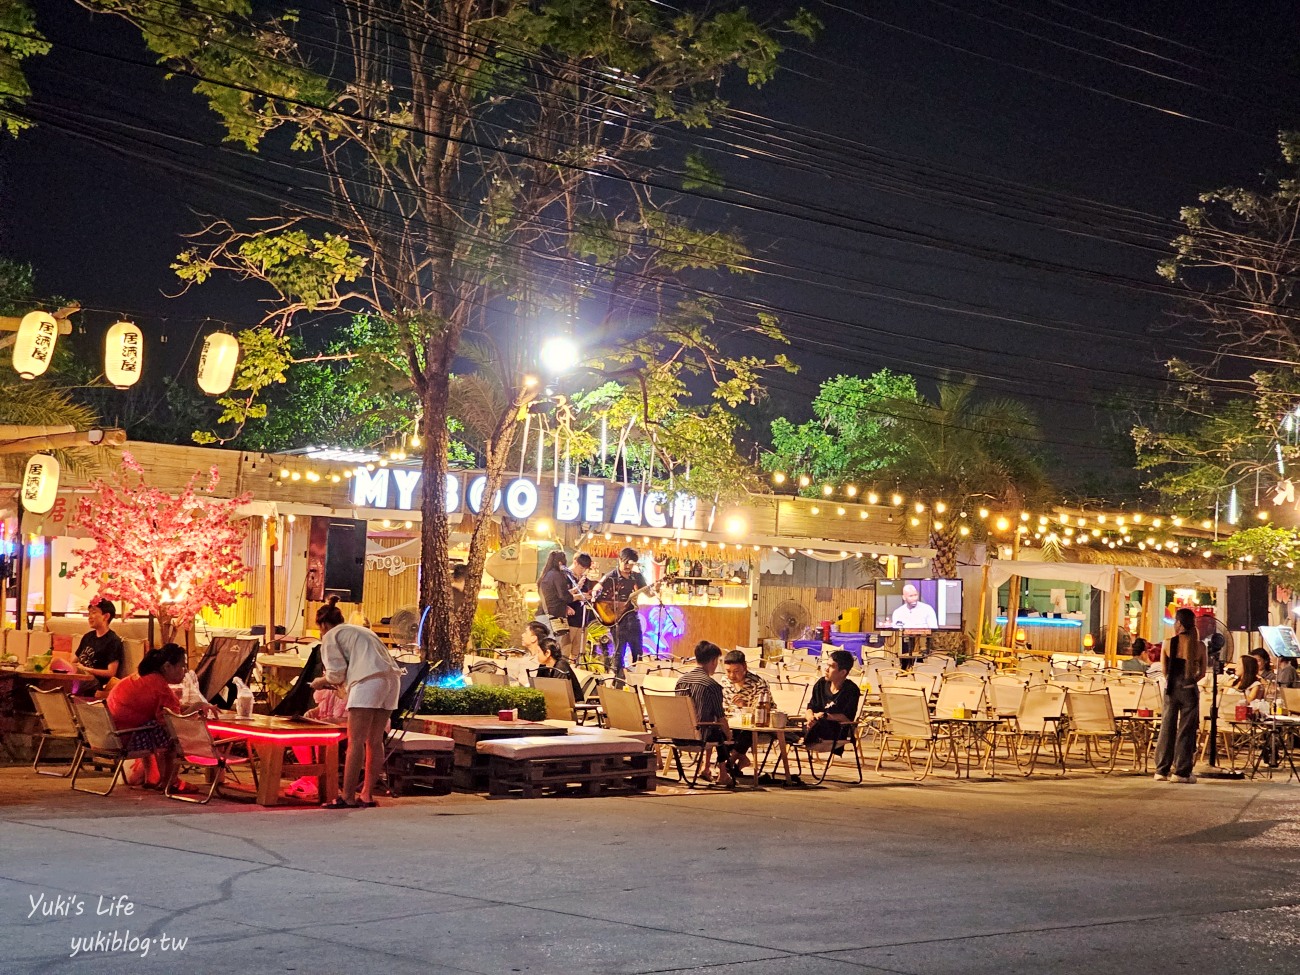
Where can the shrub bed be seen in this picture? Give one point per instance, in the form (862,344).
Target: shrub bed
(483,699)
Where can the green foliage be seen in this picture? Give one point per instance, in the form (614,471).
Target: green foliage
(486,633)
(851,434)
(483,699)
(19,40)
(1268,548)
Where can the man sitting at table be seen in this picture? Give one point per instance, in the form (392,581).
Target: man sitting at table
(833,703)
(706,694)
(742,689)
(100,652)
(1138,662)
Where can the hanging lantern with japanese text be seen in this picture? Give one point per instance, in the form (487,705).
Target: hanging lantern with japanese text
(217,363)
(123,354)
(40,484)
(34,346)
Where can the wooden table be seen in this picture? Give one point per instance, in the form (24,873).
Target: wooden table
(469,769)
(17,710)
(269,736)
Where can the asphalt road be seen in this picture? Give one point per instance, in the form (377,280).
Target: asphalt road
(1087,875)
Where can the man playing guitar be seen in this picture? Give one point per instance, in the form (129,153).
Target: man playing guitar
(618,588)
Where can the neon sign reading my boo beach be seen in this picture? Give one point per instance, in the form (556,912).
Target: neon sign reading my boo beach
(594,502)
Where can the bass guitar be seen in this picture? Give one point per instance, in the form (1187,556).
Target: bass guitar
(610,611)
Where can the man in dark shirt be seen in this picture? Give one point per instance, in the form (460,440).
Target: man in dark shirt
(618,587)
(100,652)
(834,701)
(706,694)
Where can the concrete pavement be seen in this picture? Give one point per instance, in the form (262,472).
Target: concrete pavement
(1086,875)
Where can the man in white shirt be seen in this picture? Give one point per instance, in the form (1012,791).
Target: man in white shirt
(914,614)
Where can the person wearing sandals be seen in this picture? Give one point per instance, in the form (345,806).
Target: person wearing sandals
(356,659)
(139,701)
(1184,662)
(706,694)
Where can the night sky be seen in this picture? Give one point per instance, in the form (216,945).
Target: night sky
(983,187)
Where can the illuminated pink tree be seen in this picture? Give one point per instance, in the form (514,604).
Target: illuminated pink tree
(159,554)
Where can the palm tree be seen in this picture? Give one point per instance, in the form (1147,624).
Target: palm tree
(965,451)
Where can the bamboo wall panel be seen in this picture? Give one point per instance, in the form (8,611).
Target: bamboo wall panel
(769,597)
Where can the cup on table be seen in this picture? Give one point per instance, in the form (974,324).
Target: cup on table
(244,706)
(959,713)
(779,719)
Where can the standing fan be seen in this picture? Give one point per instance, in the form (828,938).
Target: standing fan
(789,619)
(404,627)
(1218,641)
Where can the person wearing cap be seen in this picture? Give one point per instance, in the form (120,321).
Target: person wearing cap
(100,653)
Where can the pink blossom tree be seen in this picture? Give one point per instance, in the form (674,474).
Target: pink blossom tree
(159,554)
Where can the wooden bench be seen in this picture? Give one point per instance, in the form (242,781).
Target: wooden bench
(420,761)
(592,763)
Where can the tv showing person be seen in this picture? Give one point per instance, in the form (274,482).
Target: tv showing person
(914,614)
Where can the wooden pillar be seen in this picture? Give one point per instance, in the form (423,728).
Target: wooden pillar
(983,606)
(1112,625)
(24,571)
(1013,596)
(1151,613)
(272,545)
(47,548)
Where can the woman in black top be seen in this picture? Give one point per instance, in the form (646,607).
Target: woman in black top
(834,700)
(1184,662)
(551,663)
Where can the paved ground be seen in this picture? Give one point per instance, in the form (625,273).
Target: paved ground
(1086,875)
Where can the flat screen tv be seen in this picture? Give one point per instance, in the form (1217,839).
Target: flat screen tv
(918,604)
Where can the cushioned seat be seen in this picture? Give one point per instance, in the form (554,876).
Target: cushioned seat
(570,746)
(414,741)
(590,732)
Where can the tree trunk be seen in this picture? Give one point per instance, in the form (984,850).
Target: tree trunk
(944,543)
(512,610)
(439,643)
(447,635)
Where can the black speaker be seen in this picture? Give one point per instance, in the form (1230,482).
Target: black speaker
(1247,602)
(336,559)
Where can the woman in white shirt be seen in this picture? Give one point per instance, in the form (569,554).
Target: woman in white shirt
(354,657)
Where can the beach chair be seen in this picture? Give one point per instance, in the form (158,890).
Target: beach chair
(225,659)
(58,723)
(195,746)
(103,742)
(299,699)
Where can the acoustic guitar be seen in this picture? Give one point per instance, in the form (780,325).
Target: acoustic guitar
(610,611)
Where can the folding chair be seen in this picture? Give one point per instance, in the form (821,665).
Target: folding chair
(622,709)
(225,659)
(846,735)
(299,698)
(102,742)
(1039,719)
(960,690)
(558,692)
(58,723)
(1093,722)
(907,722)
(675,727)
(194,745)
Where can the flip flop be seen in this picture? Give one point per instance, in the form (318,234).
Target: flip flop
(366,804)
(338,803)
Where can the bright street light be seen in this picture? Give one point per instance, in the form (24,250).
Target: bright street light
(559,354)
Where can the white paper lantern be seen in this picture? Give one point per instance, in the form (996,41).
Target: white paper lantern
(217,363)
(34,347)
(40,484)
(123,354)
